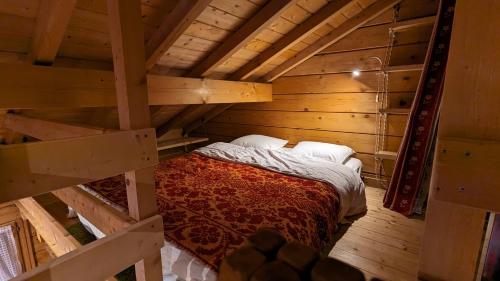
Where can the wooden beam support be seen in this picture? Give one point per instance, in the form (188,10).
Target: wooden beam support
(172,90)
(52,21)
(55,235)
(172,27)
(291,38)
(48,130)
(407,24)
(54,87)
(40,167)
(106,218)
(142,239)
(261,20)
(207,117)
(461,175)
(340,32)
(468,144)
(127,42)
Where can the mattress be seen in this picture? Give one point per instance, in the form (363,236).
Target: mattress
(213,198)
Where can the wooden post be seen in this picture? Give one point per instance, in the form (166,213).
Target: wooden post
(465,176)
(127,40)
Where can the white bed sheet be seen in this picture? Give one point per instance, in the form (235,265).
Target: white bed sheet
(179,264)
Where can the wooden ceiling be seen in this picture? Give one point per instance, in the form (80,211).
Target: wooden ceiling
(87,35)
(86,41)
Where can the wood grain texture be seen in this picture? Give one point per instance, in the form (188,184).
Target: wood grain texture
(142,239)
(340,32)
(96,88)
(40,167)
(293,37)
(381,243)
(261,20)
(51,24)
(171,29)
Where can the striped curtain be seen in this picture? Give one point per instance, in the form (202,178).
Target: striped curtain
(10,265)
(407,181)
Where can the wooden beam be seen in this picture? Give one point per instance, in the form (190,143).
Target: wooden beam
(47,130)
(291,38)
(469,131)
(54,87)
(142,239)
(407,24)
(340,32)
(171,90)
(172,27)
(40,167)
(106,218)
(179,142)
(127,42)
(451,241)
(261,20)
(52,21)
(207,117)
(461,175)
(59,240)
(55,235)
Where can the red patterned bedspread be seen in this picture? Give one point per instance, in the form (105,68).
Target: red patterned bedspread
(209,206)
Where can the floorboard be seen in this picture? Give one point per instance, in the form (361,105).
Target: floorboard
(381,243)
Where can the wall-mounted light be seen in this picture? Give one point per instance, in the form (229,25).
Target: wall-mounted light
(356,73)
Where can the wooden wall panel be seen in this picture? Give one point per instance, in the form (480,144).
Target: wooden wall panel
(320,100)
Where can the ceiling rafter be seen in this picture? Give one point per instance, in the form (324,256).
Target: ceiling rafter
(338,33)
(52,21)
(291,38)
(261,20)
(173,26)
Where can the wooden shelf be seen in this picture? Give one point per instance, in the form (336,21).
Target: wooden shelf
(179,142)
(408,24)
(401,111)
(389,155)
(401,68)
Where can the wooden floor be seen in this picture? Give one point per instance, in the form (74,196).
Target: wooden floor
(382,243)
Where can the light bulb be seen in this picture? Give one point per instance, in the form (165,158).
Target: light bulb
(356,73)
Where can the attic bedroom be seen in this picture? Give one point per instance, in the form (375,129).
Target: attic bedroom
(249,140)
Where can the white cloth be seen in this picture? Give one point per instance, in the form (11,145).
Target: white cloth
(10,265)
(346,181)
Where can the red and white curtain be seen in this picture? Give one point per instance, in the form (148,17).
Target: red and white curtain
(408,179)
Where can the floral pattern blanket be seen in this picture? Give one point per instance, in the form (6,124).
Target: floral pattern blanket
(209,206)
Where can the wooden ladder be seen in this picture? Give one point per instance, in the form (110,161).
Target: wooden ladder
(383,106)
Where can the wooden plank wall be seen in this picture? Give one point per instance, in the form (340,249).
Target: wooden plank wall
(320,100)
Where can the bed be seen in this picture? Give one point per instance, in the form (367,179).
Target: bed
(214,197)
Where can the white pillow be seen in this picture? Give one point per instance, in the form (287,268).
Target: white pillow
(329,151)
(259,141)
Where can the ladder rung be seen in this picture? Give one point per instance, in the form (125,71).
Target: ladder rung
(382,154)
(400,68)
(407,24)
(395,110)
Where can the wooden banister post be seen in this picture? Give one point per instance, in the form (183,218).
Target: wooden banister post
(127,40)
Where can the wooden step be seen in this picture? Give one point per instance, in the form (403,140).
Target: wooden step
(401,68)
(389,155)
(400,111)
(407,24)
(179,142)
